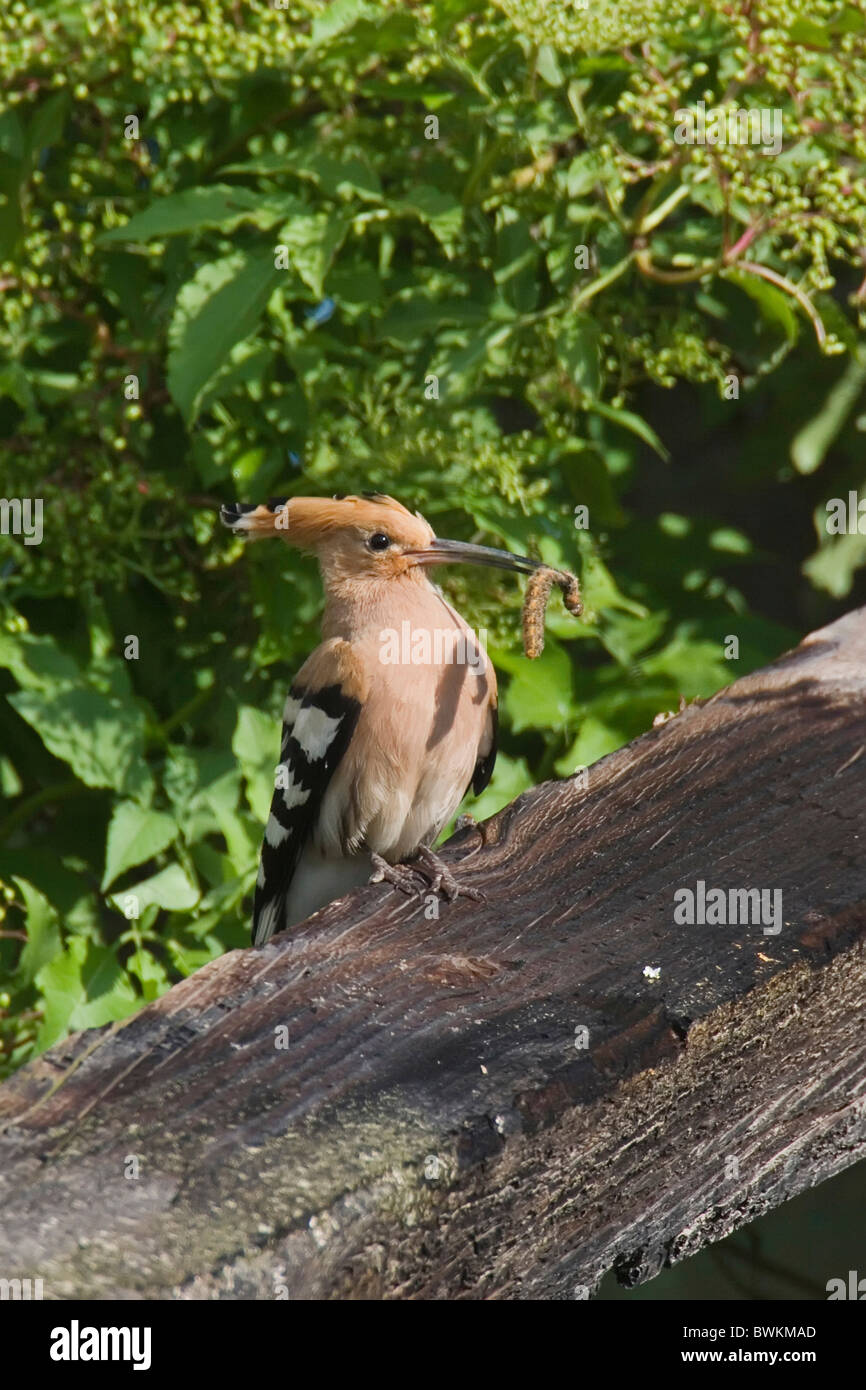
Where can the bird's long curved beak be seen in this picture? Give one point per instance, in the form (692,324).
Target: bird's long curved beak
(440,552)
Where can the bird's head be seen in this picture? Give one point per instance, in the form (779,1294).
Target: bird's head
(356,538)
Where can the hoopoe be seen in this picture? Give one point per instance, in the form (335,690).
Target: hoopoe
(378,748)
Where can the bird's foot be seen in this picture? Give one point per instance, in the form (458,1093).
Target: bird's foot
(398,875)
(441,879)
(429,866)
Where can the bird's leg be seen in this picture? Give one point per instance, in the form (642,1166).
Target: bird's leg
(398,875)
(428,865)
(441,878)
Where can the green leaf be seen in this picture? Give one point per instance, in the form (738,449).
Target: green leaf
(84,987)
(600,589)
(578,350)
(540,693)
(693,668)
(584,172)
(188,773)
(625,635)
(135,834)
(10,783)
(584,468)
(188,955)
(169,889)
(460,369)
(256,745)
(416,316)
(833,567)
(547,66)
(775,306)
(516,272)
(354,282)
(100,737)
(48,124)
(149,971)
(729,540)
(338,17)
(53,387)
(335,177)
(12,175)
(810,444)
(630,421)
(849,20)
(43,933)
(441,212)
(219,307)
(13,142)
(249,363)
(597,737)
(196,209)
(15,383)
(37,663)
(312,239)
(242,835)
(808,32)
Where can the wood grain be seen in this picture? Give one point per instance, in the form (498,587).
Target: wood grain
(434,1127)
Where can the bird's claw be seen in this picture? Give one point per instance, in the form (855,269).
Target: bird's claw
(442,880)
(398,875)
(427,865)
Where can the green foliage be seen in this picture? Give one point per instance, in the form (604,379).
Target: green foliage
(234,252)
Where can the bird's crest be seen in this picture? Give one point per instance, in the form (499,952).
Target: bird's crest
(308,521)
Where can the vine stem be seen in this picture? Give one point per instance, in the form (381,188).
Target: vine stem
(645,265)
(603,281)
(753,268)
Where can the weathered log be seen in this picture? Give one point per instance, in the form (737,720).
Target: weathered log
(435,1126)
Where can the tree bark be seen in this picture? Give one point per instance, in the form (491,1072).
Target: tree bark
(513,1099)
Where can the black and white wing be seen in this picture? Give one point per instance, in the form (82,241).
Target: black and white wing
(317,728)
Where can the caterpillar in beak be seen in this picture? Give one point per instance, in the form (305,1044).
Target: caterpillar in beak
(538,588)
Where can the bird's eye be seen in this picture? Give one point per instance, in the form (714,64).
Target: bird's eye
(379,541)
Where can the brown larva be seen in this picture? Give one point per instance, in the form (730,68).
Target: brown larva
(535,603)
(538,589)
(570,592)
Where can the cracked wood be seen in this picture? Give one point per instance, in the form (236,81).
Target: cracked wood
(432,1129)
